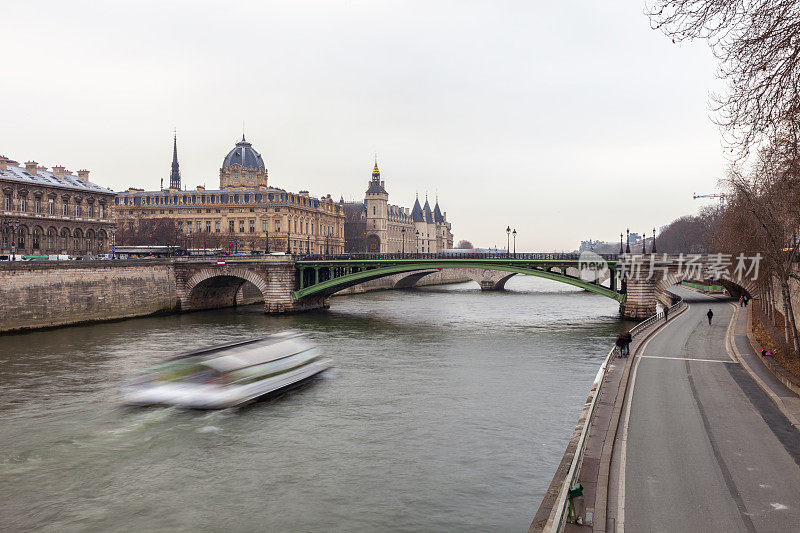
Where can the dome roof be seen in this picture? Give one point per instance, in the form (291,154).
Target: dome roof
(243,155)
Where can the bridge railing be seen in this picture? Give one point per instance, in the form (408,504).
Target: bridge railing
(446,255)
(560,514)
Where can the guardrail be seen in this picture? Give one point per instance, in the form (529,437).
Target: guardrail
(499,255)
(560,514)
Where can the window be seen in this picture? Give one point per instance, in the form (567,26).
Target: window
(216,226)
(252,226)
(189,227)
(35,239)
(65,210)
(90,210)
(101,214)
(265,226)
(50,238)
(37,206)
(230,226)
(208,226)
(64,236)
(51,207)
(7,203)
(21,240)
(373,209)
(77,211)
(241,226)
(295,225)
(23,204)
(277,225)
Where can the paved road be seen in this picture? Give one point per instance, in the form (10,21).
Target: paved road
(705,448)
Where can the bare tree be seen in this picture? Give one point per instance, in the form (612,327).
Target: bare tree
(464,245)
(764,215)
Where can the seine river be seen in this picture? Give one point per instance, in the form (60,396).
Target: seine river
(448,410)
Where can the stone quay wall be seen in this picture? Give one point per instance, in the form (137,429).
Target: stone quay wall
(46,294)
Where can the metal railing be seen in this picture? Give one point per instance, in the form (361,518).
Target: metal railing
(445,255)
(561,508)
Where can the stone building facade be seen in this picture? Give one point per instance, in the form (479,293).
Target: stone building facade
(53,212)
(376,226)
(245,213)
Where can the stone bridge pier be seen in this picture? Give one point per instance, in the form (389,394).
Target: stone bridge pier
(208,284)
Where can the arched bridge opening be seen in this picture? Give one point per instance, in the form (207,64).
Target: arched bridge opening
(224,291)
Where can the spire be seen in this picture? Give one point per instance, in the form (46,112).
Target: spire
(376,174)
(175,174)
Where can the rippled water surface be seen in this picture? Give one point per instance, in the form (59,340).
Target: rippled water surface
(448,410)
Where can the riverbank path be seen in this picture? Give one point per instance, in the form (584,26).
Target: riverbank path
(700,446)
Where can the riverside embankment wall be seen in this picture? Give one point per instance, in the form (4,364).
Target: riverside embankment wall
(44,294)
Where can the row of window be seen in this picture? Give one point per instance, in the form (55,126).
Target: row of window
(77,209)
(21,241)
(223,198)
(303,227)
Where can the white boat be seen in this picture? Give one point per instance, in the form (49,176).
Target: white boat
(228,375)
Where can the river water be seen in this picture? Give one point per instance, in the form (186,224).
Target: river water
(448,410)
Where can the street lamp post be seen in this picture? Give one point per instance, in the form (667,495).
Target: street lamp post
(654,240)
(514,233)
(508,240)
(404,240)
(628,241)
(620,244)
(308,245)
(288,242)
(644,243)
(266,247)
(416,242)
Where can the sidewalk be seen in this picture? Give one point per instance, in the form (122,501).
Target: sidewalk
(787,401)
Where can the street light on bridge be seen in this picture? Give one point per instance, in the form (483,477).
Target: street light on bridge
(654,241)
(508,240)
(404,240)
(644,243)
(628,241)
(514,233)
(620,244)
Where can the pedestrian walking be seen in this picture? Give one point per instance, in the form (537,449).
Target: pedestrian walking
(628,341)
(666,314)
(620,343)
(741,301)
(710,315)
(746,299)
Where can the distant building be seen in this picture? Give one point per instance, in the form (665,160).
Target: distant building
(52,212)
(245,213)
(376,226)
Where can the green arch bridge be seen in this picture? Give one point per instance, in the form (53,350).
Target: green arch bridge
(321,276)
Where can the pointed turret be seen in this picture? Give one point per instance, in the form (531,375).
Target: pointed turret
(427,210)
(437,214)
(175,173)
(416,213)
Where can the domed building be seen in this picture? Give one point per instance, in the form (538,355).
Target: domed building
(243,214)
(243,167)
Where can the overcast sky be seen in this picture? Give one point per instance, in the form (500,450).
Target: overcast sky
(566,120)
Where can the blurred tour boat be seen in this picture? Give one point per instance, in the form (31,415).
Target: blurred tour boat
(228,375)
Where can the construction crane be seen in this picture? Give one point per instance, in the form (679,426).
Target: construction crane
(720,196)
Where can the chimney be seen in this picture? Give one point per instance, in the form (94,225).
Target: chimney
(30,167)
(3,163)
(381,183)
(83,175)
(58,171)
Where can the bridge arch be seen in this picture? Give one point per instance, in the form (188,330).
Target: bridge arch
(213,289)
(317,279)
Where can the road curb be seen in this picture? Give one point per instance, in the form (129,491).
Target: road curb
(755,377)
(604,467)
